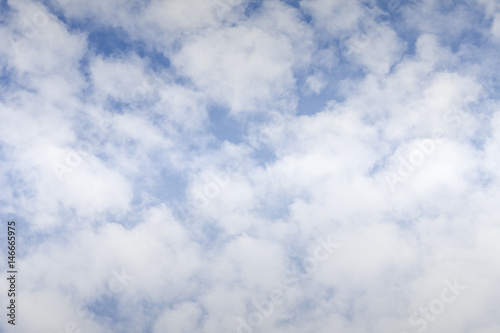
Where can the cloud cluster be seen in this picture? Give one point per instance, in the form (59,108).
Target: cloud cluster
(252,166)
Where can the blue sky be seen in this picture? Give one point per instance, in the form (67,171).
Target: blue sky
(252,166)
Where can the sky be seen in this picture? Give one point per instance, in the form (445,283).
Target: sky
(240,166)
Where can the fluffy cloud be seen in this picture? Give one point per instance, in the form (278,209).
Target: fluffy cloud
(241,166)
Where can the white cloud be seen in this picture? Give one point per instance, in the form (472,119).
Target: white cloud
(379,52)
(40,44)
(151,223)
(336,15)
(495,28)
(248,65)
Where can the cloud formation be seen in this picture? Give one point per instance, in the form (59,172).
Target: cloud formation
(252,166)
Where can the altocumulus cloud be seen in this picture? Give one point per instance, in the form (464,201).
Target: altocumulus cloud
(252,166)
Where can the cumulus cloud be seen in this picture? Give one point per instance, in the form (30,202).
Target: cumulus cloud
(251,166)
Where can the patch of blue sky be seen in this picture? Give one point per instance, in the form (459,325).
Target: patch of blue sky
(479,140)
(483,178)
(115,105)
(379,165)
(296,250)
(264,155)
(20,187)
(304,15)
(54,9)
(252,7)
(494,84)
(450,7)
(313,103)
(279,209)
(8,80)
(113,41)
(208,236)
(306,306)
(393,7)
(109,41)
(473,37)
(472,33)
(158,185)
(394,16)
(105,307)
(212,235)
(310,102)
(293,3)
(150,312)
(4,10)
(484,104)
(224,126)
(5,81)
(169,187)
